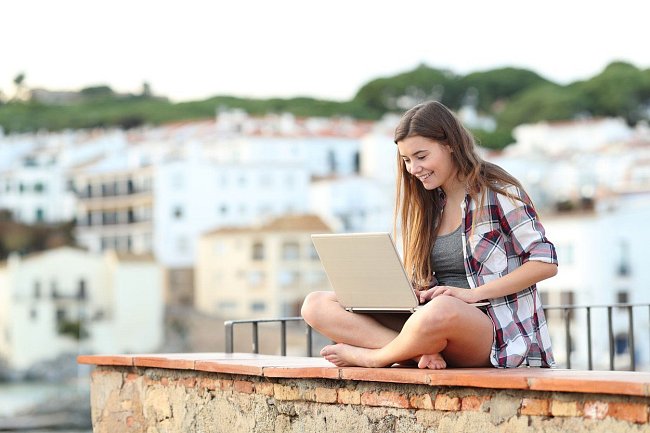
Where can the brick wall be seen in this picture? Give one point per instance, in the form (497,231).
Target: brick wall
(156,400)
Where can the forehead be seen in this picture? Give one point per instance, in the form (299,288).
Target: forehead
(415,144)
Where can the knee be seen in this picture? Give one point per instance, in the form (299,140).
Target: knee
(313,306)
(440,314)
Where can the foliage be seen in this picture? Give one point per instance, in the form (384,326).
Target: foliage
(494,140)
(514,96)
(73,328)
(26,239)
(499,85)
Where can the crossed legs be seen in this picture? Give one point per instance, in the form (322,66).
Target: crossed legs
(446,325)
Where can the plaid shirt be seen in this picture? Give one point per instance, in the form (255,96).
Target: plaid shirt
(506,234)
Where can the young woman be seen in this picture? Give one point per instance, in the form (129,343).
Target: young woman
(470,233)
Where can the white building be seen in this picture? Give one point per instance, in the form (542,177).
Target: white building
(353,204)
(602,259)
(34,168)
(559,138)
(45,298)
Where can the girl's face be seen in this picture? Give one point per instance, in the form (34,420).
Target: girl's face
(429,161)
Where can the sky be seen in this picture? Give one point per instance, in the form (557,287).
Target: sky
(194,49)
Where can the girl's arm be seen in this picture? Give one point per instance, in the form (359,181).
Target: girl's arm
(531,272)
(526,275)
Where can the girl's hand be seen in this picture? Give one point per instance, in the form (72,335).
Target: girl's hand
(466,295)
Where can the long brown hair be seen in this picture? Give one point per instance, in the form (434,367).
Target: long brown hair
(418,209)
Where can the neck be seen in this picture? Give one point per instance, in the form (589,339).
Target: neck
(455,191)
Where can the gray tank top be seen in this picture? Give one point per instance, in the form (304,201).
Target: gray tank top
(448,261)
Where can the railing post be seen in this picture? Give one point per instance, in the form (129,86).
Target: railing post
(256,340)
(630,338)
(589,348)
(612,349)
(283,338)
(229,336)
(567,336)
(309,341)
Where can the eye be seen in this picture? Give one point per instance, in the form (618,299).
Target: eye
(420,158)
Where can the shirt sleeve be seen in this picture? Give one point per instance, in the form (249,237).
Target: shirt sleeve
(519,221)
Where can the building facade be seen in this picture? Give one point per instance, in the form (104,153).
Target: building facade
(263,271)
(67,300)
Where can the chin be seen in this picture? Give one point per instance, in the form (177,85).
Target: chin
(429,187)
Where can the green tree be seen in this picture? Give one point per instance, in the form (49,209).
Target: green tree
(544,102)
(404,90)
(19,84)
(620,90)
(500,85)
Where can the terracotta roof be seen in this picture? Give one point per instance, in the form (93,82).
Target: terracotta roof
(286,223)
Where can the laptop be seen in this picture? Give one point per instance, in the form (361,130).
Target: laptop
(366,272)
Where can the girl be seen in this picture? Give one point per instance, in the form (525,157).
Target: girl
(470,233)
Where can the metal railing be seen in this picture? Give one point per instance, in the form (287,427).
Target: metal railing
(230,324)
(567,313)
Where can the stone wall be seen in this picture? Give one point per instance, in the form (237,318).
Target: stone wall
(156,400)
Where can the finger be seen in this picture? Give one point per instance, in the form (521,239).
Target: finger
(440,290)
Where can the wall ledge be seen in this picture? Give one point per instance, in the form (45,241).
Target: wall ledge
(270,366)
(217,392)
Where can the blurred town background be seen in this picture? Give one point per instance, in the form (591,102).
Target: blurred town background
(130,223)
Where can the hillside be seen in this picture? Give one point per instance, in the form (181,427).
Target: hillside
(513,96)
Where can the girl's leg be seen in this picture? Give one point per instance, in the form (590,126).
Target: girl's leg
(322,312)
(461,332)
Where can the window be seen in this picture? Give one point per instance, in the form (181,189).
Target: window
(288,278)
(178,212)
(568,298)
(622,297)
(315,278)
(33,314)
(290,251)
(258,307)
(40,215)
(621,343)
(81,290)
(39,187)
(258,251)
(255,278)
(226,305)
(37,289)
(624,263)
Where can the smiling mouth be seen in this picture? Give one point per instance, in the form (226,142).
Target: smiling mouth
(425,177)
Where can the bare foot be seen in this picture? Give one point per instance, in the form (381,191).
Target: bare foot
(434,361)
(344,355)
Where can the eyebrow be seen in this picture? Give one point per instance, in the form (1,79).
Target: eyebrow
(414,153)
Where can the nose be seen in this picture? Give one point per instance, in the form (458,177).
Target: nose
(414,167)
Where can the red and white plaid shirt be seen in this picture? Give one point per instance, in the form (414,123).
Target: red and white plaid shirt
(506,234)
